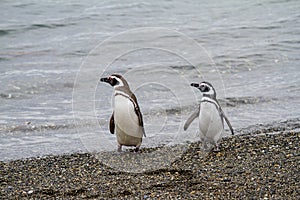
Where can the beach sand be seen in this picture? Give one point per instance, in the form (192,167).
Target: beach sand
(260,166)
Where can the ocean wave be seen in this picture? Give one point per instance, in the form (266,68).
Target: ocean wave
(29,127)
(4,32)
(226,102)
(236,101)
(49,26)
(21,28)
(273,127)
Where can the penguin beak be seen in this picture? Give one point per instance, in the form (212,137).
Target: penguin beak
(104,80)
(109,80)
(195,85)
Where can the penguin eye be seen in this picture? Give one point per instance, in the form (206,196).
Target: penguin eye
(204,88)
(113,81)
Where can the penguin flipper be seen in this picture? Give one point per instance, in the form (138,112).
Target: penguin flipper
(227,121)
(112,124)
(138,113)
(144,132)
(193,116)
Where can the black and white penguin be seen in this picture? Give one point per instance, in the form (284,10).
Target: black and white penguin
(211,116)
(126,119)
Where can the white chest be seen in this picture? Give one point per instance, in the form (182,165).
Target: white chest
(210,121)
(124,115)
(209,113)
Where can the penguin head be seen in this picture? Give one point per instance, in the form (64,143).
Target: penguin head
(206,88)
(115,80)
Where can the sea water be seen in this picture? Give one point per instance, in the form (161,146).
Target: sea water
(52,54)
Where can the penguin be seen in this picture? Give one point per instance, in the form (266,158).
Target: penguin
(211,116)
(126,119)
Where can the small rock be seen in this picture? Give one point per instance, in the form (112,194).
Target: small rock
(10,188)
(193,192)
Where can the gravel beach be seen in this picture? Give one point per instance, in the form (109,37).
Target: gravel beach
(248,166)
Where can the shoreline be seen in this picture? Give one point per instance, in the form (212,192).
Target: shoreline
(265,166)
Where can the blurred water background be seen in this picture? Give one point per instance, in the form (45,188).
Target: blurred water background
(251,55)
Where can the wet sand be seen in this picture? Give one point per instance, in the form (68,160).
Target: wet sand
(260,166)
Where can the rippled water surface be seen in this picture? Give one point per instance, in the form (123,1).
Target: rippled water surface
(52,54)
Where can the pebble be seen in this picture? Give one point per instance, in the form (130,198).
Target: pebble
(244,168)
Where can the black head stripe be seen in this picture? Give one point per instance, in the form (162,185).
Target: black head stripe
(113,81)
(207,83)
(204,88)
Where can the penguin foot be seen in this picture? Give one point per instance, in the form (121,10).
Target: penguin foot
(216,149)
(219,147)
(204,146)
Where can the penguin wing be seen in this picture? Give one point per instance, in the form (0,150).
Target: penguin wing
(227,121)
(138,112)
(112,124)
(191,119)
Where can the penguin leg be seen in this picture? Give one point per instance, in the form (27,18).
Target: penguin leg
(203,142)
(212,143)
(204,145)
(137,149)
(119,148)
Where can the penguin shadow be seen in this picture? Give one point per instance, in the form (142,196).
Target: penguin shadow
(148,159)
